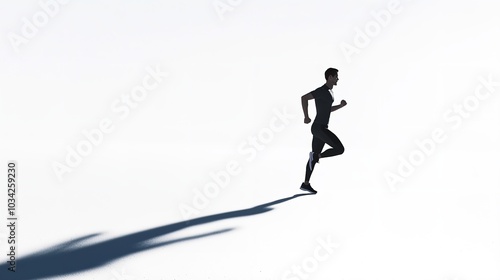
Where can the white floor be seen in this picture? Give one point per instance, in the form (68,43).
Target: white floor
(440,225)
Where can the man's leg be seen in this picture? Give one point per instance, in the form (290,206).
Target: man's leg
(332,140)
(317,146)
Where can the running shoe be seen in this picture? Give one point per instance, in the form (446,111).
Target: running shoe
(307,188)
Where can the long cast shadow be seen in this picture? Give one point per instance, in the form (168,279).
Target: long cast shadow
(67,257)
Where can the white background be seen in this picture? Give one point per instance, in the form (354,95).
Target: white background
(229,72)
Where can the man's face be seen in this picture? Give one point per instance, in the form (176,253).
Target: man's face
(333,79)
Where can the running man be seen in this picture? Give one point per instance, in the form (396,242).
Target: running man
(323,97)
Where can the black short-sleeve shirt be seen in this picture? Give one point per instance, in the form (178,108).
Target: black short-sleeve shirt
(324,100)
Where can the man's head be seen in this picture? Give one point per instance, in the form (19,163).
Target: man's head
(331,76)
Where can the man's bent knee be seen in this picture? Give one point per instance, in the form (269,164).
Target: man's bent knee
(341,150)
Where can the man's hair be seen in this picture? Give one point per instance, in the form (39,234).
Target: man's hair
(330,71)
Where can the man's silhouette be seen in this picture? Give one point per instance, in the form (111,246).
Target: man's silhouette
(323,98)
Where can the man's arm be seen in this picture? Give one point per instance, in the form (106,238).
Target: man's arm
(305,102)
(336,107)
